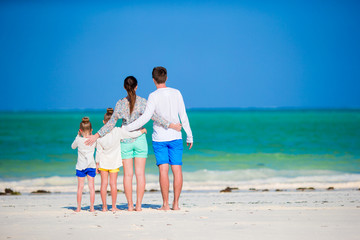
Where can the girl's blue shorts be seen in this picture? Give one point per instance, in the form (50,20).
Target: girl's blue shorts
(87,171)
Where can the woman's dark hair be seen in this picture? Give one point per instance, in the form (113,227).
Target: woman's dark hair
(85,124)
(130,84)
(108,114)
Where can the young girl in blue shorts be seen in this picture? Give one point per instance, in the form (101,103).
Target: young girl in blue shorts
(85,165)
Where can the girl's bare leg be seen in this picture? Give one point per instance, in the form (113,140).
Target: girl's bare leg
(113,187)
(128,176)
(140,181)
(103,189)
(91,181)
(80,188)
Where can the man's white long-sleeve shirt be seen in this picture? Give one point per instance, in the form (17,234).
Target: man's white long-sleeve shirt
(169,104)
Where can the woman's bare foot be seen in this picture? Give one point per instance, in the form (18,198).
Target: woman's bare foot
(138,209)
(115,209)
(130,207)
(164,208)
(78,209)
(104,209)
(92,209)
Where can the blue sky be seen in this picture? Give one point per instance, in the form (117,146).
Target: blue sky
(218,53)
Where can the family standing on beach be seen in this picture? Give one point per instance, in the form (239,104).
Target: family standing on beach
(116,147)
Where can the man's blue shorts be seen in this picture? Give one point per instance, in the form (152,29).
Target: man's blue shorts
(169,152)
(87,171)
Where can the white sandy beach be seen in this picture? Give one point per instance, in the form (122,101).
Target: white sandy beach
(317,214)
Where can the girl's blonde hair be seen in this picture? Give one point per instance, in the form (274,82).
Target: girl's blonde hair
(108,114)
(85,125)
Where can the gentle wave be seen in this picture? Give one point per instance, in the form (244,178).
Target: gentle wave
(211,180)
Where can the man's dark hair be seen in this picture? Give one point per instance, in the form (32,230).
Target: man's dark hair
(159,74)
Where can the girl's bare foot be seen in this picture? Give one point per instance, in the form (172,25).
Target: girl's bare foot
(104,209)
(92,209)
(138,209)
(115,209)
(78,210)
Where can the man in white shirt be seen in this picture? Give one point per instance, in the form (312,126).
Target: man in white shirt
(167,143)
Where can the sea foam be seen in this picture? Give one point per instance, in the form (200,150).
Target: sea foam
(211,180)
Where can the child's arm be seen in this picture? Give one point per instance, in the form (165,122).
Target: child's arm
(118,113)
(75,144)
(99,151)
(126,134)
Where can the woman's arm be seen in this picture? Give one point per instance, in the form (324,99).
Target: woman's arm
(160,121)
(118,113)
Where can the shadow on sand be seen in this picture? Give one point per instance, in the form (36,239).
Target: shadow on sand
(123,206)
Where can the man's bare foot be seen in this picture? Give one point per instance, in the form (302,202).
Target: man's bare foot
(78,210)
(92,209)
(164,208)
(104,209)
(115,209)
(175,206)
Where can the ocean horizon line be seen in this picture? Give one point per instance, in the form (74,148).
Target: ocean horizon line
(195,109)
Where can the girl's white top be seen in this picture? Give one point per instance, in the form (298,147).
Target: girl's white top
(85,153)
(108,153)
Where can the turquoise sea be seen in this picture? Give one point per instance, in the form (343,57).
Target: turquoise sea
(263,148)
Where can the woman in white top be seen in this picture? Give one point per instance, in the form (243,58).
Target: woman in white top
(85,165)
(108,158)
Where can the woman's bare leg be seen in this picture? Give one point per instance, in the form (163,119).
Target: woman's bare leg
(113,187)
(80,188)
(103,189)
(128,176)
(140,181)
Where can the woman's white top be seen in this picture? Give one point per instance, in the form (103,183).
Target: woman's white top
(85,153)
(108,153)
